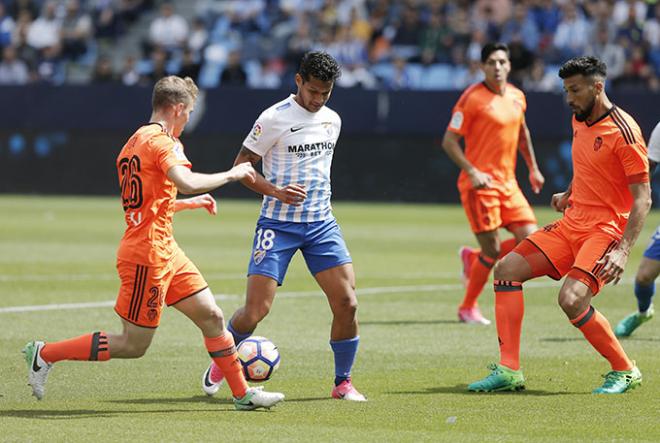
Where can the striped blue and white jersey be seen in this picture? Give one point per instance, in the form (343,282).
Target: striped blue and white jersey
(654,144)
(296,147)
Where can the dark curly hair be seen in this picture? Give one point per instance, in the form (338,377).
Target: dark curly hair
(319,65)
(588,66)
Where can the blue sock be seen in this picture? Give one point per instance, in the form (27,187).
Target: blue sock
(345,351)
(644,295)
(238,337)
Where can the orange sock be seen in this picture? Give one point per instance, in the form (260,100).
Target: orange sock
(509,310)
(92,347)
(478,278)
(223,352)
(598,332)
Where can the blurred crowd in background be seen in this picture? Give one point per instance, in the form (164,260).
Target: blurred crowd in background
(381,44)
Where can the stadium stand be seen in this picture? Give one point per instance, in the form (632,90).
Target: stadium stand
(381,44)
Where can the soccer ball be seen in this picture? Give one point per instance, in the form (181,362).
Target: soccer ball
(259,357)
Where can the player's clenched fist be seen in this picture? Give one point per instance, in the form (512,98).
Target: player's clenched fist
(205,201)
(291,194)
(536,180)
(613,265)
(560,201)
(479,179)
(244,171)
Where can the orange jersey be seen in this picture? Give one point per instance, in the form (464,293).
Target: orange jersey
(490,124)
(147,195)
(608,155)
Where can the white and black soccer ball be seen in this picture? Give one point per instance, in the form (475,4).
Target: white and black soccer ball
(259,357)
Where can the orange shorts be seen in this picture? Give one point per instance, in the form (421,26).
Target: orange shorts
(568,249)
(145,289)
(490,209)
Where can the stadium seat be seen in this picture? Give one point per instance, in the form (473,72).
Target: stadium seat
(415,73)
(437,76)
(209,75)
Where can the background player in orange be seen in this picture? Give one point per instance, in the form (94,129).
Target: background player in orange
(152,268)
(604,211)
(491,117)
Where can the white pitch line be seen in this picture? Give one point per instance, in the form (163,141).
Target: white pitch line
(292,294)
(6,278)
(93,277)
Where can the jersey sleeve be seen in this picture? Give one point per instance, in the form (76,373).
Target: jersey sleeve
(523,101)
(263,136)
(168,153)
(461,116)
(654,144)
(633,158)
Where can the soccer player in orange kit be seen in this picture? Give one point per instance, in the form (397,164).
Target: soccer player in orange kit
(491,117)
(153,270)
(604,211)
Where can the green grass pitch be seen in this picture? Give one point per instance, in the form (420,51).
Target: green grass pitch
(414,363)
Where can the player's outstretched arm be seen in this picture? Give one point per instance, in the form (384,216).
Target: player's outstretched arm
(451,145)
(536,179)
(616,260)
(292,194)
(188,182)
(205,201)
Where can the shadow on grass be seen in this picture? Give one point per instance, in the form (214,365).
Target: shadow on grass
(561,339)
(173,400)
(45,414)
(462,389)
(306,399)
(54,414)
(639,339)
(569,339)
(407,322)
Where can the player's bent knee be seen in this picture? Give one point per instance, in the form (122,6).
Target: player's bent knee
(505,269)
(570,302)
(211,322)
(645,278)
(350,307)
(346,307)
(215,316)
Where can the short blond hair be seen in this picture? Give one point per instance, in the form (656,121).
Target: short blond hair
(172,89)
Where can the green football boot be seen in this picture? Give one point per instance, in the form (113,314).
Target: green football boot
(618,382)
(38,369)
(500,379)
(632,322)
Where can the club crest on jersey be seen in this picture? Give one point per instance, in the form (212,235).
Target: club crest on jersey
(256,132)
(178,152)
(328,128)
(259,256)
(456,120)
(152,314)
(598,143)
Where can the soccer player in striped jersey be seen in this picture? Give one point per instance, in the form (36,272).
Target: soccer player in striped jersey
(490,116)
(295,141)
(604,211)
(153,270)
(649,267)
